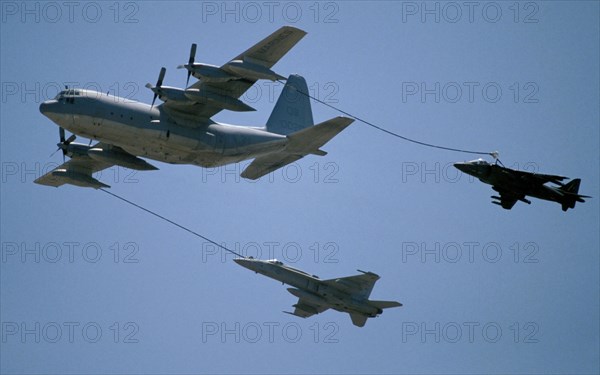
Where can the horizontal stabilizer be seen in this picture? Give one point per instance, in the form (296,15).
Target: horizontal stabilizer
(266,164)
(385,304)
(309,140)
(302,143)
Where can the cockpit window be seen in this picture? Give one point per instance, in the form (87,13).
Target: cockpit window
(275,261)
(478,162)
(69,93)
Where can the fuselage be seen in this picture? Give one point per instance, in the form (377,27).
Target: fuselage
(502,177)
(310,287)
(150,132)
(506,179)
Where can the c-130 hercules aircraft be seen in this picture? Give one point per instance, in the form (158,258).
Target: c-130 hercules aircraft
(180,131)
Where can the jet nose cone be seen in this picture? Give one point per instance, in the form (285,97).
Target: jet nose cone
(463,167)
(242,262)
(249,263)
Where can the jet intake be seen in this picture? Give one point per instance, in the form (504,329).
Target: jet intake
(120,158)
(251,71)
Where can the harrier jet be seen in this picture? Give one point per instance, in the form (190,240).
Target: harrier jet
(181,131)
(513,185)
(344,294)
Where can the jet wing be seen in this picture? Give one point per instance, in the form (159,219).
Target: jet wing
(264,54)
(77,171)
(357,286)
(305,308)
(507,199)
(538,178)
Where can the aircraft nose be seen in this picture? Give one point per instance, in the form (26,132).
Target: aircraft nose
(47,106)
(463,167)
(44,107)
(246,263)
(242,262)
(470,168)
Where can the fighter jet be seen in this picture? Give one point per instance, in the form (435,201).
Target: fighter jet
(345,294)
(514,185)
(181,131)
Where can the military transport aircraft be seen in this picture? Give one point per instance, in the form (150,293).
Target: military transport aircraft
(344,294)
(514,185)
(180,131)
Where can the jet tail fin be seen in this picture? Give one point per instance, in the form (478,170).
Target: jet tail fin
(292,111)
(572,186)
(571,196)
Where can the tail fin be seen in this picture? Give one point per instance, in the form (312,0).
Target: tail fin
(292,111)
(572,186)
(571,196)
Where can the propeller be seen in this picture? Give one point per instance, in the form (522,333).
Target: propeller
(156,89)
(190,63)
(64,143)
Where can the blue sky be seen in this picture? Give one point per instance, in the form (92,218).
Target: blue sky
(92,285)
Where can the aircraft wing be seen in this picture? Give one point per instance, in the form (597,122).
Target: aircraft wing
(265,54)
(77,171)
(305,308)
(538,178)
(358,286)
(507,199)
